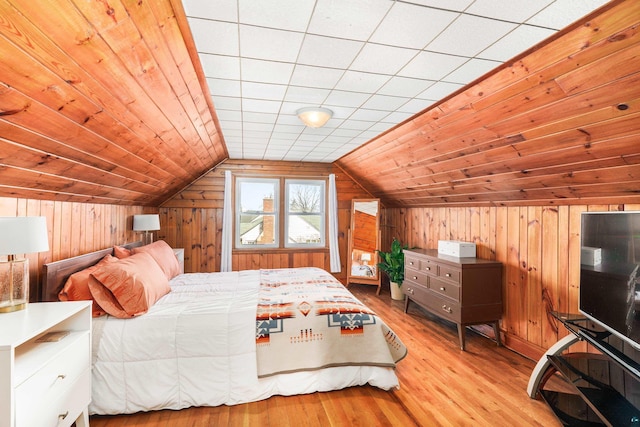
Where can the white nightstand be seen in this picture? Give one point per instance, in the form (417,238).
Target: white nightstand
(45,383)
(180,255)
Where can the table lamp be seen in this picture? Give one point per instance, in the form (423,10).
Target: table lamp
(147,224)
(366,258)
(19,236)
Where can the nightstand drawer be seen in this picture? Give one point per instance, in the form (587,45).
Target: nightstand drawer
(445,288)
(59,408)
(56,376)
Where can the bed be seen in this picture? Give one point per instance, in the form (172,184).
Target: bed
(230,338)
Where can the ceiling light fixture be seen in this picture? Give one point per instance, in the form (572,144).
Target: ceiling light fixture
(314,117)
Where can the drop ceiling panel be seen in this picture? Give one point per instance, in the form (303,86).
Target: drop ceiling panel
(508,10)
(518,40)
(468,35)
(374,63)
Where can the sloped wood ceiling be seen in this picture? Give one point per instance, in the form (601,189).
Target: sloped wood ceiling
(100,102)
(561,125)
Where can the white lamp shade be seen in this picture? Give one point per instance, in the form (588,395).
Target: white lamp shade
(149,222)
(23,235)
(366,257)
(314,117)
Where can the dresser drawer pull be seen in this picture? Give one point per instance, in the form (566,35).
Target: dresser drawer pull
(447,309)
(63,416)
(448,275)
(442,288)
(414,277)
(410,291)
(410,262)
(61,376)
(427,268)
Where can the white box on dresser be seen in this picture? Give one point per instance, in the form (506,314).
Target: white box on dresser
(46,383)
(457,248)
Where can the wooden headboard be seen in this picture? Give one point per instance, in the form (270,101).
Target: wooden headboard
(55,274)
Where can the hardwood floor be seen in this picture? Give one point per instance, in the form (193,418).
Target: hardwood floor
(439,386)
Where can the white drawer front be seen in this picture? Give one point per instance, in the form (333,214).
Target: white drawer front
(54,379)
(58,410)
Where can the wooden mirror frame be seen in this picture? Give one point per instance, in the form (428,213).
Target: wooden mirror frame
(366,270)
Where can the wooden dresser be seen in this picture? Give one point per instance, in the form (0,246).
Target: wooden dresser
(466,291)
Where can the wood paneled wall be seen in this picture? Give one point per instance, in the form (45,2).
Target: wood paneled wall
(194,218)
(538,246)
(74,228)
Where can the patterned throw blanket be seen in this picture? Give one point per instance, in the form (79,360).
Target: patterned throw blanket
(307,320)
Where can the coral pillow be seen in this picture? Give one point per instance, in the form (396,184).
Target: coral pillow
(164,256)
(121,252)
(77,286)
(129,287)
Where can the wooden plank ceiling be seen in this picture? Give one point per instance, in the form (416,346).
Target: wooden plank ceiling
(560,125)
(100,102)
(108,104)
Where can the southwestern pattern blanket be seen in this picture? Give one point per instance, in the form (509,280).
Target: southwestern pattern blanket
(311,317)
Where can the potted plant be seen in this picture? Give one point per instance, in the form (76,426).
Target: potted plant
(392,263)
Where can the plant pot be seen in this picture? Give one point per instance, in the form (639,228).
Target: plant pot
(396,292)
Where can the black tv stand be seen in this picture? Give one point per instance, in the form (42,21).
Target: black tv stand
(605,386)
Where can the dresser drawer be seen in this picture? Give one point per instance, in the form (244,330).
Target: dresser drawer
(412,263)
(447,272)
(445,288)
(429,267)
(443,307)
(418,293)
(55,378)
(60,408)
(416,277)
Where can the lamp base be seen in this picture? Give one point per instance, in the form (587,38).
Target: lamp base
(14,285)
(147,238)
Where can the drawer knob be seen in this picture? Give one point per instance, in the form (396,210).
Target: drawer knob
(442,288)
(448,274)
(61,376)
(415,277)
(410,262)
(410,291)
(447,309)
(63,416)
(427,268)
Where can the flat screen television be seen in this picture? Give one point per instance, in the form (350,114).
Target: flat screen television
(609,261)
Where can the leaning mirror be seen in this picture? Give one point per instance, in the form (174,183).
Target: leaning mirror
(364,240)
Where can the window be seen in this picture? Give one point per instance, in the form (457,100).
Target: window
(259,211)
(304,215)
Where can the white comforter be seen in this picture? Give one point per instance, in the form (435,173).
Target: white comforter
(196,347)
